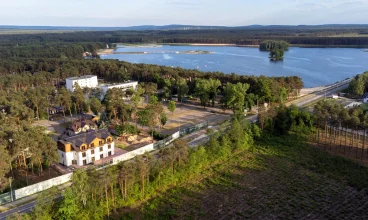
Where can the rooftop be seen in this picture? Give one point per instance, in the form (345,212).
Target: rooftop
(85,138)
(117,84)
(81,77)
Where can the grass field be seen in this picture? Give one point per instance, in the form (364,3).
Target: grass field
(282,178)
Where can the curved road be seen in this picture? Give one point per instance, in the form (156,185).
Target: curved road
(26,208)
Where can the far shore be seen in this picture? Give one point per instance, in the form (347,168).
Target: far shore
(214,45)
(112,51)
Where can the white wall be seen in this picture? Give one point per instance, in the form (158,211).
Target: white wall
(140,151)
(175,136)
(38,187)
(66,158)
(88,81)
(132,154)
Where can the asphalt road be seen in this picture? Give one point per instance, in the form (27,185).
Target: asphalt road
(321,94)
(26,208)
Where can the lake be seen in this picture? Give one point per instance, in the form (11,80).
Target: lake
(316,66)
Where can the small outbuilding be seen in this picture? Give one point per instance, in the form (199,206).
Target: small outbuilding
(365,98)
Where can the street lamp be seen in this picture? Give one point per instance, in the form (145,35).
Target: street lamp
(11,191)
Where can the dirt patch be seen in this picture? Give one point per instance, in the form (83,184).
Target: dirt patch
(187,115)
(105,51)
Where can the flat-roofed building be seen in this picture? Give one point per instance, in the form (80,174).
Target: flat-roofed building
(87,81)
(124,86)
(86,148)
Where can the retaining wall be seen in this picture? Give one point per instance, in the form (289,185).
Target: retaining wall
(38,187)
(132,154)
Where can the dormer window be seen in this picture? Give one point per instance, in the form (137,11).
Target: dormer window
(100,142)
(108,140)
(83,147)
(92,145)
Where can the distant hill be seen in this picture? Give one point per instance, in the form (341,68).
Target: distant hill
(183,27)
(133,28)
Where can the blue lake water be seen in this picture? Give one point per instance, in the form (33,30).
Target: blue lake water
(316,66)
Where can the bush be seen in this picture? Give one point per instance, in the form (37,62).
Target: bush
(158,136)
(126,129)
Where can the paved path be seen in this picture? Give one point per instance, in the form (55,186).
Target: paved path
(321,94)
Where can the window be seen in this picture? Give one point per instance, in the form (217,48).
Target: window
(74,161)
(108,140)
(83,148)
(93,159)
(92,145)
(100,142)
(84,162)
(83,154)
(101,156)
(92,151)
(101,148)
(110,153)
(109,146)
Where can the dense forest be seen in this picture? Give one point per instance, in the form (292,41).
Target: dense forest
(322,36)
(32,74)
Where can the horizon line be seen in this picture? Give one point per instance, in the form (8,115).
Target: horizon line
(165,25)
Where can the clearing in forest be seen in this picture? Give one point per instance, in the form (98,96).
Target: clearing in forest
(281,179)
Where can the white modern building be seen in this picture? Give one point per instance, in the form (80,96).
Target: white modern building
(87,81)
(124,86)
(86,148)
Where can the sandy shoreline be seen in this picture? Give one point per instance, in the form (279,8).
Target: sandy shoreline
(105,51)
(218,45)
(211,44)
(112,51)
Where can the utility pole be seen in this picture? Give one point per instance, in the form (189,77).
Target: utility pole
(11,191)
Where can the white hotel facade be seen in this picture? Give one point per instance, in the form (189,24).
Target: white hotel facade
(88,81)
(86,148)
(91,81)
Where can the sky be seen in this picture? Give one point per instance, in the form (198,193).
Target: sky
(119,13)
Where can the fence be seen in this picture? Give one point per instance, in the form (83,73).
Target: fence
(5,198)
(345,142)
(38,187)
(166,141)
(192,129)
